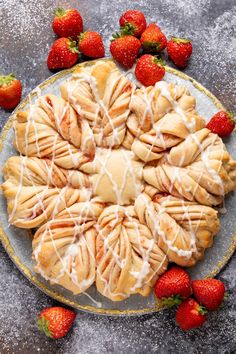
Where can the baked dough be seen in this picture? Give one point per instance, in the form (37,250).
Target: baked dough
(64,248)
(118,181)
(183,229)
(198,169)
(129,260)
(116,176)
(101,95)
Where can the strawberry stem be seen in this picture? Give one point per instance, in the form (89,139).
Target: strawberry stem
(59,12)
(158,61)
(231,116)
(116,35)
(202,310)
(172,301)
(151,46)
(6,80)
(127,29)
(73,46)
(180,40)
(43,326)
(81,36)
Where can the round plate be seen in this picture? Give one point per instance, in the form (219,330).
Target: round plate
(17,242)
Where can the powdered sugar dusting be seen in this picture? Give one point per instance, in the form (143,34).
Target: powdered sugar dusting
(26,38)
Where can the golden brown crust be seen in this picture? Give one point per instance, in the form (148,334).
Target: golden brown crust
(118,181)
(128,258)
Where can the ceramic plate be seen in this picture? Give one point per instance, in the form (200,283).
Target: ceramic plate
(17,242)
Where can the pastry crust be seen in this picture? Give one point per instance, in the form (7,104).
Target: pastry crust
(183,229)
(64,249)
(32,171)
(161,117)
(118,181)
(40,132)
(199,169)
(128,258)
(101,95)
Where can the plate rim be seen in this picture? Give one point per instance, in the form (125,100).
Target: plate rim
(47,288)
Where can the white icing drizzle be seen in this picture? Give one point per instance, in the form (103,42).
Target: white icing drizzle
(163,87)
(78,239)
(36,252)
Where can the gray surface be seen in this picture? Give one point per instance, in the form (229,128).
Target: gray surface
(25,39)
(21,241)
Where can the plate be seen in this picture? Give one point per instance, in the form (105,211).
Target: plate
(17,242)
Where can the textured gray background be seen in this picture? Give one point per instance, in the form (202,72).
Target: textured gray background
(24,42)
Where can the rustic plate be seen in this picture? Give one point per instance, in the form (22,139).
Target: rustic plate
(17,242)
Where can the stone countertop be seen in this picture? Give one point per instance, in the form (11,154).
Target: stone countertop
(26,36)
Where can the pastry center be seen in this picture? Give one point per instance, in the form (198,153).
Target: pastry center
(116,175)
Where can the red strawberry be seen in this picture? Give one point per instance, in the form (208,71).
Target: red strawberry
(179,51)
(133,22)
(149,70)
(90,44)
(55,322)
(125,50)
(63,54)
(173,286)
(190,314)
(222,123)
(209,292)
(10,91)
(67,23)
(153,39)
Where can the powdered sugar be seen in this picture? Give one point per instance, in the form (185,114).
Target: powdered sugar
(25,39)
(21,302)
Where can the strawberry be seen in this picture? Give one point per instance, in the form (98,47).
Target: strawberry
(222,123)
(209,292)
(149,69)
(55,322)
(173,286)
(153,39)
(125,49)
(67,23)
(91,45)
(133,22)
(10,91)
(190,314)
(179,51)
(63,54)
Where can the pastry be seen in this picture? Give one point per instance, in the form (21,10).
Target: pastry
(118,181)
(64,248)
(116,176)
(41,133)
(36,189)
(128,258)
(183,229)
(32,171)
(198,169)
(101,95)
(161,117)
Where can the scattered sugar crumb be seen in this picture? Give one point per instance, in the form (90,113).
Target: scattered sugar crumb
(26,38)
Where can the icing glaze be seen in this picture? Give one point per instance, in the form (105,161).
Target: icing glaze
(99,207)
